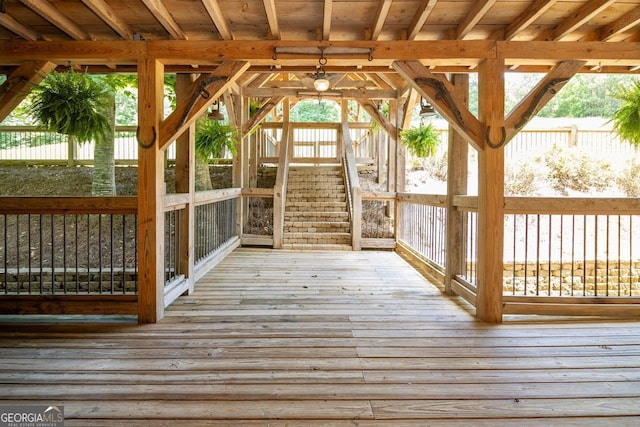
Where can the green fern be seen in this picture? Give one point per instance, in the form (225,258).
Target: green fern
(422,142)
(213,137)
(72,104)
(626,120)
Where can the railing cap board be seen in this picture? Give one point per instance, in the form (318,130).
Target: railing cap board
(572,206)
(69,205)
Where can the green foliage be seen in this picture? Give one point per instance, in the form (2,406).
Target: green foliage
(422,141)
(315,111)
(72,104)
(626,120)
(574,170)
(213,138)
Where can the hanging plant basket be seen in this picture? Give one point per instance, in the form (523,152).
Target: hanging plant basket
(422,141)
(72,104)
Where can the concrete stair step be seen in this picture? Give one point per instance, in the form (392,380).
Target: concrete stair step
(315,206)
(317,216)
(316,197)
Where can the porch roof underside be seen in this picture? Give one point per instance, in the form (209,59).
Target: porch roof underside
(283,40)
(321,339)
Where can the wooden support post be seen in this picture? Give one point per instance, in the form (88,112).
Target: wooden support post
(400,154)
(491,192)
(150,193)
(457,169)
(240,164)
(185,183)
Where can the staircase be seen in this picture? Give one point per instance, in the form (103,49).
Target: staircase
(316,212)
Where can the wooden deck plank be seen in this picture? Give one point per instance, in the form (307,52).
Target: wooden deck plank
(310,339)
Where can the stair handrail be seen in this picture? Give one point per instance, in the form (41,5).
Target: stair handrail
(280,187)
(354,191)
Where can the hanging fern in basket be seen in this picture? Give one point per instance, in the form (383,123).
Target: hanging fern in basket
(213,138)
(72,104)
(422,141)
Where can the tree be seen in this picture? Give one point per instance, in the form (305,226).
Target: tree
(626,119)
(315,111)
(213,138)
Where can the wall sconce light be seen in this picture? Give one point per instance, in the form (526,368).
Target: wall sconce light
(426,109)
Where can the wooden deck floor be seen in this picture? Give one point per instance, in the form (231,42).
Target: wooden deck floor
(277,338)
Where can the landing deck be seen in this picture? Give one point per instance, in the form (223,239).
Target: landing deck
(282,338)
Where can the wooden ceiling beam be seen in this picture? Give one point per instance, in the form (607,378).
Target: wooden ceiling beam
(107,14)
(327,12)
(443,53)
(160,12)
(259,92)
(372,109)
(216,15)
(204,91)
(478,11)
(380,17)
(419,19)
(19,83)
(259,115)
(439,92)
(579,18)
(57,18)
(620,25)
(540,95)
(15,27)
(272,18)
(537,9)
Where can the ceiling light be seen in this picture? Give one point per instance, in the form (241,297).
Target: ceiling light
(321,83)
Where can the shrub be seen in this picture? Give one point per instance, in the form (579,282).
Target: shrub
(570,169)
(629,180)
(521,179)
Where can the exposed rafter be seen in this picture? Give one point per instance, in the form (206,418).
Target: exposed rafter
(15,27)
(478,11)
(537,9)
(272,18)
(588,11)
(379,18)
(160,12)
(57,18)
(215,13)
(106,13)
(326,19)
(620,25)
(419,19)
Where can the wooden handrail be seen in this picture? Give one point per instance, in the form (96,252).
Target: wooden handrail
(354,187)
(573,206)
(280,187)
(211,196)
(69,205)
